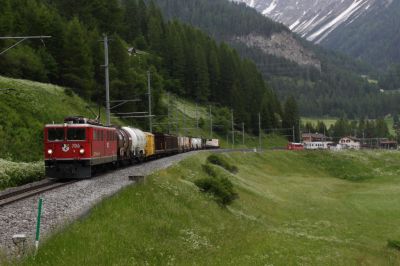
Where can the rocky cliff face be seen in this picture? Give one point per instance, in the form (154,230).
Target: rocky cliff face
(281,45)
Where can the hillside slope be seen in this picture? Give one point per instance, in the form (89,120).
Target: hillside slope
(26,108)
(325,209)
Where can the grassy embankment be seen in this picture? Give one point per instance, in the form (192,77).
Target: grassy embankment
(294,208)
(25,109)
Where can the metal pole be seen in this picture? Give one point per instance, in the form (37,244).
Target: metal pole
(233,130)
(107,81)
(300,133)
(243,133)
(184,119)
(177,127)
(294,140)
(39,214)
(149,92)
(259,130)
(210,123)
(169,117)
(197,118)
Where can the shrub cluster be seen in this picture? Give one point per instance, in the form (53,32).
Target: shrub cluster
(218,186)
(221,161)
(16,174)
(394,244)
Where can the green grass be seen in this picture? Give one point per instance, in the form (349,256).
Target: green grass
(26,110)
(389,122)
(314,120)
(294,208)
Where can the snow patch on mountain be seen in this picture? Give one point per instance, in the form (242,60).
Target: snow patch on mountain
(323,32)
(315,19)
(270,8)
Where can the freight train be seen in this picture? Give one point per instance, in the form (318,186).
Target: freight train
(80,146)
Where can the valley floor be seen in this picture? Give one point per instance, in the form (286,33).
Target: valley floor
(294,208)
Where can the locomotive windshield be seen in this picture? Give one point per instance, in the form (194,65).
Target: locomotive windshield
(76,134)
(55,134)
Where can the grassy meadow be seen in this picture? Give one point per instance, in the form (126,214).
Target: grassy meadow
(327,121)
(294,208)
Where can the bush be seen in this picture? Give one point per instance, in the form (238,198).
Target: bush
(219,160)
(208,168)
(218,186)
(17,174)
(394,244)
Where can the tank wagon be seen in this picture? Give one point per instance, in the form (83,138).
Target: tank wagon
(79,146)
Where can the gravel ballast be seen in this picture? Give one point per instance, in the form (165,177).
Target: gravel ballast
(64,205)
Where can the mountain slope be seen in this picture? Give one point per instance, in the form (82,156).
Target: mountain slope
(360,28)
(324,82)
(249,29)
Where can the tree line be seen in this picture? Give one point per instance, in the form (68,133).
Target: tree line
(343,127)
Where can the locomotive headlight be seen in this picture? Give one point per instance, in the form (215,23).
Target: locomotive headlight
(49,151)
(82,151)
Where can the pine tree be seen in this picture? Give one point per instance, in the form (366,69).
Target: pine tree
(291,118)
(77,62)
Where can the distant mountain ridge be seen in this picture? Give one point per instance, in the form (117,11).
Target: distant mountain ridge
(315,19)
(359,28)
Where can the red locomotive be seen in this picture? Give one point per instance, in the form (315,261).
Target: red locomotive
(72,149)
(295,146)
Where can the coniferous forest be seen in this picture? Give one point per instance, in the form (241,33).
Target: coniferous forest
(182,59)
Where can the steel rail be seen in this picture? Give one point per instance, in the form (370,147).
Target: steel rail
(28,192)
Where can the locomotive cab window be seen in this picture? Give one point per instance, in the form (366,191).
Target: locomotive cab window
(76,134)
(55,134)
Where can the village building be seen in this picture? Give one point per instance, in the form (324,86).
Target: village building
(318,145)
(313,137)
(388,144)
(315,141)
(350,143)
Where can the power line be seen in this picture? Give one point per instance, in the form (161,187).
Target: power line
(21,39)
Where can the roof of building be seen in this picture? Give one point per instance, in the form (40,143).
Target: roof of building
(351,138)
(388,142)
(313,135)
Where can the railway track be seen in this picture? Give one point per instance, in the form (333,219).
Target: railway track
(28,192)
